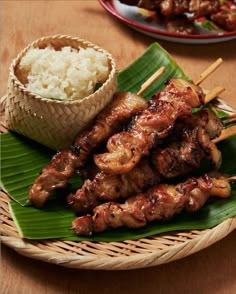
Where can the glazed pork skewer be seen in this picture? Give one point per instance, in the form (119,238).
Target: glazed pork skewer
(191,143)
(171,8)
(160,203)
(106,187)
(175,12)
(125,149)
(65,163)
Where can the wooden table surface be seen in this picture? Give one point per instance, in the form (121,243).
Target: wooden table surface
(209,271)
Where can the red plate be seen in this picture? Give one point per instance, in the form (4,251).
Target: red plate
(142,21)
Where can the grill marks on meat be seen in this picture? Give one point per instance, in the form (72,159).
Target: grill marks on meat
(53,176)
(179,158)
(196,7)
(204,118)
(177,7)
(130,169)
(125,149)
(159,203)
(180,24)
(203,7)
(225,17)
(107,187)
(65,163)
(146,4)
(112,119)
(185,149)
(191,143)
(178,15)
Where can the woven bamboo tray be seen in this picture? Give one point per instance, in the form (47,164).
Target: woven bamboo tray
(125,255)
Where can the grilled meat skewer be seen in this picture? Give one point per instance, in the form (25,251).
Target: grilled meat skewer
(190,143)
(177,7)
(107,187)
(125,149)
(161,203)
(65,163)
(225,17)
(178,15)
(179,158)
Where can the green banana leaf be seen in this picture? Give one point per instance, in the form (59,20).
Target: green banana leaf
(22,160)
(133,76)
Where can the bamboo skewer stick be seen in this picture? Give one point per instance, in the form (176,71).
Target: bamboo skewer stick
(226,133)
(209,71)
(151,80)
(231,116)
(213,94)
(230,119)
(206,73)
(232,179)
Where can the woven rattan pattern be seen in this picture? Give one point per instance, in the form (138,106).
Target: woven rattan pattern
(54,123)
(124,255)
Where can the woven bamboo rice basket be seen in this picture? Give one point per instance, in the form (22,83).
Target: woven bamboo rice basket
(54,123)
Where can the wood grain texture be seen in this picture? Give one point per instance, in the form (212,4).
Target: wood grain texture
(209,271)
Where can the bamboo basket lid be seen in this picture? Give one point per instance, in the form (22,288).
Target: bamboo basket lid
(54,123)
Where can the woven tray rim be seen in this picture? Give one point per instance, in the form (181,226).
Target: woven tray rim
(123,255)
(59,252)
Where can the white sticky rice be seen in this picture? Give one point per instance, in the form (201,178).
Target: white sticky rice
(68,74)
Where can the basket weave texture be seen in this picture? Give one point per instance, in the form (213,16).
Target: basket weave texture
(54,123)
(125,255)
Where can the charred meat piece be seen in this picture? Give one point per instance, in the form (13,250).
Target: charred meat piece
(178,15)
(205,118)
(105,187)
(65,163)
(125,149)
(167,7)
(181,25)
(189,144)
(179,158)
(54,175)
(112,119)
(159,203)
(225,17)
(177,7)
(146,4)
(173,7)
(183,152)
(203,7)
